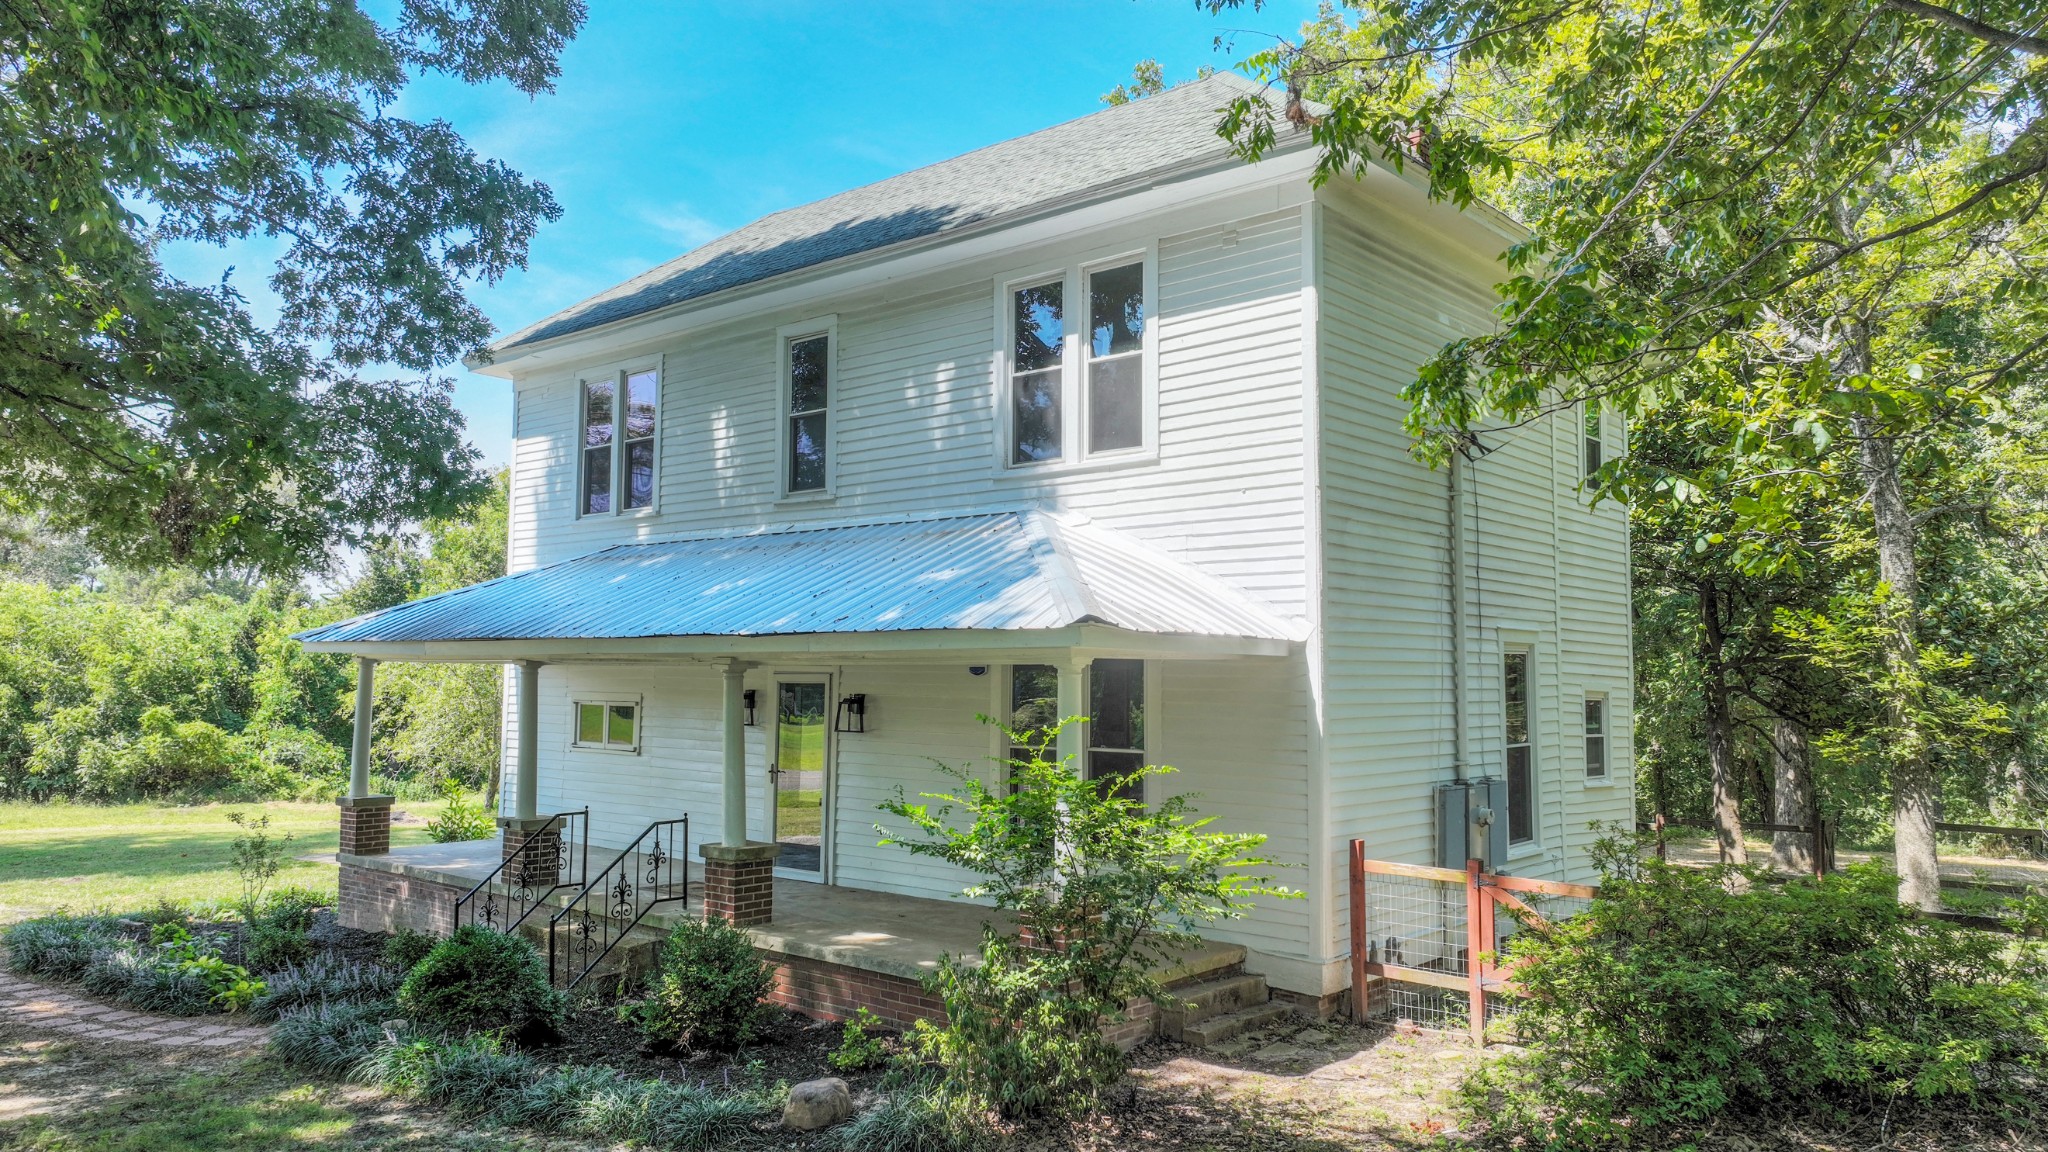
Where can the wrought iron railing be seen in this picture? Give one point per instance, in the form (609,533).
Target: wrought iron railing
(555,857)
(653,870)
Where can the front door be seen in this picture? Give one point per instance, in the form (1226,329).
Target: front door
(802,728)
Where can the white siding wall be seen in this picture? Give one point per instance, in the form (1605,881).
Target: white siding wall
(1543,569)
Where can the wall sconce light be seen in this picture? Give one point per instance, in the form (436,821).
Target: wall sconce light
(747,703)
(852,715)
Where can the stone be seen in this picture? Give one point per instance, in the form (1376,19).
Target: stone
(816,1104)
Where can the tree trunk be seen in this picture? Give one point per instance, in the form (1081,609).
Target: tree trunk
(1914,799)
(1727,814)
(1792,797)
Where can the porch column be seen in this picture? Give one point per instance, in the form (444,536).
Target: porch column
(365,819)
(541,864)
(739,877)
(527,797)
(1073,701)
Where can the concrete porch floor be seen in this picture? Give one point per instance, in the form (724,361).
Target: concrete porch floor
(871,931)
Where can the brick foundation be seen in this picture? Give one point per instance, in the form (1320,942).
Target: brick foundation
(1322,1007)
(828,991)
(379,901)
(739,883)
(365,825)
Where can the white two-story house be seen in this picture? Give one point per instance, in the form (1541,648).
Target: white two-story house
(1099,422)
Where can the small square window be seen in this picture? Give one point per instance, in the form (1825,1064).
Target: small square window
(612,725)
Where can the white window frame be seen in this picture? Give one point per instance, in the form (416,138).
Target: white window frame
(1073,275)
(1605,736)
(785,336)
(1592,436)
(617,374)
(576,706)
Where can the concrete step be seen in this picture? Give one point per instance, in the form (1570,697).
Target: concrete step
(1210,999)
(1217,1029)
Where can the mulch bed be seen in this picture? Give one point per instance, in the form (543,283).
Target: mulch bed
(793,1050)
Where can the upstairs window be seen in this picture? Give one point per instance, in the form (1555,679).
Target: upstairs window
(1596,737)
(618,442)
(807,414)
(1595,449)
(1074,391)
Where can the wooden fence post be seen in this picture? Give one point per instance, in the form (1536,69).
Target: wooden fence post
(1360,942)
(1475,917)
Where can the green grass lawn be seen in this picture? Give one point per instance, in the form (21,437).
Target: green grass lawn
(125,857)
(797,812)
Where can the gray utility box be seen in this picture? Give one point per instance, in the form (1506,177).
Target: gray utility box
(1472,823)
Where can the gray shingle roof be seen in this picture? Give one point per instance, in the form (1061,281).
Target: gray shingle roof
(1094,155)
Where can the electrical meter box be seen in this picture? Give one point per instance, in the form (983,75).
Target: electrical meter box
(1472,823)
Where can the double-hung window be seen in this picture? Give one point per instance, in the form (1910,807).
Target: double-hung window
(1116,727)
(1034,709)
(1075,391)
(611,725)
(618,441)
(1521,770)
(1596,737)
(807,413)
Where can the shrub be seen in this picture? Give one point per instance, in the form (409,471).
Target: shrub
(323,980)
(859,1049)
(669,1115)
(918,1115)
(142,980)
(482,981)
(331,1038)
(256,855)
(407,948)
(461,818)
(1113,885)
(709,991)
(1682,1001)
(60,947)
(278,933)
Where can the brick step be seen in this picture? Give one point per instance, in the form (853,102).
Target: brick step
(1210,999)
(1233,1024)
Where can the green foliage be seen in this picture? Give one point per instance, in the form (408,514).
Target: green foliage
(462,818)
(1683,1001)
(160,418)
(664,1114)
(920,1114)
(279,932)
(176,974)
(859,1048)
(709,992)
(256,856)
(1112,885)
(323,980)
(332,1038)
(60,947)
(406,948)
(482,981)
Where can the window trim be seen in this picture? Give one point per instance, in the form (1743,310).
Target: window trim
(785,336)
(1073,272)
(1592,436)
(618,371)
(578,703)
(1605,736)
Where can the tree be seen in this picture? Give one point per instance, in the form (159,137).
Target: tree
(1826,217)
(159,417)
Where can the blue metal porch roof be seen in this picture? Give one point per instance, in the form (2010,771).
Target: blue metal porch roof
(1002,571)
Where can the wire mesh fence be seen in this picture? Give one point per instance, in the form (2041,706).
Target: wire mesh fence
(1416,923)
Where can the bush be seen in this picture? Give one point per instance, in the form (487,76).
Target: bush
(323,980)
(1683,1001)
(859,1049)
(461,818)
(406,949)
(1114,885)
(176,975)
(60,947)
(332,1038)
(482,981)
(709,991)
(669,1115)
(278,933)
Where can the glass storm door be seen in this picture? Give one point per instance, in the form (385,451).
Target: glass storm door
(801,725)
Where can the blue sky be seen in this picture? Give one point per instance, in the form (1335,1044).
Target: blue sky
(675,122)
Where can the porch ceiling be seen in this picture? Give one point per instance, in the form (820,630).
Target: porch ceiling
(994,581)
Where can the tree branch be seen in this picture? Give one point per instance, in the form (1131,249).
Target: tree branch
(2031,45)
